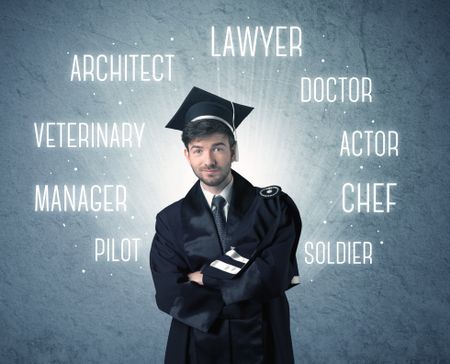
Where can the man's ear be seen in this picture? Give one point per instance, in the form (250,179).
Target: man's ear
(233,153)
(186,154)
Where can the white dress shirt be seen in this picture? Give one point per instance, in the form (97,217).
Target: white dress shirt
(225,193)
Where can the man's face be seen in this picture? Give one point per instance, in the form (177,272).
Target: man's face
(210,158)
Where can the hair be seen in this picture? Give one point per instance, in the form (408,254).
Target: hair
(202,128)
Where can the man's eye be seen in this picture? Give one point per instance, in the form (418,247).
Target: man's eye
(217,149)
(197,151)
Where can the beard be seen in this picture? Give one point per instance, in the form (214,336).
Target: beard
(213,179)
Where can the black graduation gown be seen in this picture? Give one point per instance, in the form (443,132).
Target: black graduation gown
(241,313)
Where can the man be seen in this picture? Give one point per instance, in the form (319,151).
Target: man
(223,256)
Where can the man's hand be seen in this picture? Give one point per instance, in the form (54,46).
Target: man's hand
(196,277)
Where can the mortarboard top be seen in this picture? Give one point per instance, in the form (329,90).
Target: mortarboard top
(201,105)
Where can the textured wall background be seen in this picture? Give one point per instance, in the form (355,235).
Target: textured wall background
(396,310)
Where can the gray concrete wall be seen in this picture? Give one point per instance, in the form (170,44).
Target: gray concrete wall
(59,305)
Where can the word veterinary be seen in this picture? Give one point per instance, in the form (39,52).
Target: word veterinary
(92,135)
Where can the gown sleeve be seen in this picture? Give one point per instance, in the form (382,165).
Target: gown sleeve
(264,273)
(192,304)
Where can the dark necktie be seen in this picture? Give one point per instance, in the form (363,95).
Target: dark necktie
(218,203)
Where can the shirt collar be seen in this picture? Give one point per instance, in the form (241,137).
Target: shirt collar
(225,193)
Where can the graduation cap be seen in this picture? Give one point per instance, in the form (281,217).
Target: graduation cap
(202,105)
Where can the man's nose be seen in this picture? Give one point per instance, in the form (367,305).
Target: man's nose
(209,159)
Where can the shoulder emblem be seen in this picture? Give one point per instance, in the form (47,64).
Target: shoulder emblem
(270,191)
